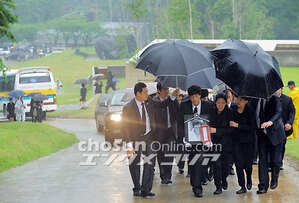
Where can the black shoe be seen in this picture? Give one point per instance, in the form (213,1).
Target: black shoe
(164,182)
(188,175)
(181,171)
(249,184)
(169,182)
(254,162)
(273,185)
(197,192)
(211,178)
(137,193)
(147,194)
(241,191)
(224,185)
(269,169)
(232,171)
(218,191)
(261,191)
(281,168)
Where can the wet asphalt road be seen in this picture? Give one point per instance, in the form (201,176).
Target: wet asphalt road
(60,178)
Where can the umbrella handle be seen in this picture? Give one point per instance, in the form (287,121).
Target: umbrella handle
(176,81)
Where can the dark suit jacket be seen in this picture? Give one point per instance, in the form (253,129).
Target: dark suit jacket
(288,112)
(223,130)
(162,122)
(132,120)
(272,112)
(245,133)
(186,109)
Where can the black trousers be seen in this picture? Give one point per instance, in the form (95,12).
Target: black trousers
(182,151)
(265,147)
(243,154)
(148,168)
(221,168)
(196,166)
(165,162)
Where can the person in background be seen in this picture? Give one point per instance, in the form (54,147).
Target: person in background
(39,111)
(166,133)
(154,95)
(288,115)
(83,96)
(294,94)
(243,147)
(98,84)
(221,136)
(32,106)
(180,98)
(110,83)
(230,103)
(20,109)
(11,110)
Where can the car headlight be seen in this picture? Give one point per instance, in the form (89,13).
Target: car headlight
(115,117)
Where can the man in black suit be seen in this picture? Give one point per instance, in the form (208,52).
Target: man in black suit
(288,116)
(139,127)
(190,107)
(166,133)
(270,137)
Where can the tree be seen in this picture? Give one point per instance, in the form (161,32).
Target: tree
(6,19)
(137,10)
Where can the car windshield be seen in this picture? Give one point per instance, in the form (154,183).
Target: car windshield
(116,99)
(35,77)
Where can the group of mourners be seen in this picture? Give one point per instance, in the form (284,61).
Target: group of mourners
(244,128)
(15,111)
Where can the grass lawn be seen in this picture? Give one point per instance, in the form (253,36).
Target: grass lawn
(88,113)
(22,142)
(68,67)
(292,148)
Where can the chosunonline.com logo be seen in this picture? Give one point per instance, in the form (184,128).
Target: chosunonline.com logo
(116,152)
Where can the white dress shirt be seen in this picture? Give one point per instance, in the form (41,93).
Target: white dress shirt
(198,108)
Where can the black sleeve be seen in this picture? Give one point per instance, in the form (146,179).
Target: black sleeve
(250,124)
(160,104)
(278,109)
(292,112)
(180,122)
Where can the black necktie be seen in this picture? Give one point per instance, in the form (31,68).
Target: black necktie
(195,110)
(143,120)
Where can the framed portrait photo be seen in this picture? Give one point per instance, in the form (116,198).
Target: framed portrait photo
(197,129)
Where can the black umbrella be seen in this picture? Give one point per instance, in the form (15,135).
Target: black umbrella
(83,81)
(247,69)
(16,93)
(39,97)
(175,58)
(205,78)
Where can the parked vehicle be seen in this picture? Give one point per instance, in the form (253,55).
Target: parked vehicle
(108,115)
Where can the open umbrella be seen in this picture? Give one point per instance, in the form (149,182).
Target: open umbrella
(205,78)
(99,76)
(32,93)
(115,80)
(39,97)
(175,58)
(17,93)
(151,86)
(247,69)
(83,81)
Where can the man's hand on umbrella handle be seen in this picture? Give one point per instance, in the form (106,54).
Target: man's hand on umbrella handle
(130,152)
(176,92)
(287,127)
(266,124)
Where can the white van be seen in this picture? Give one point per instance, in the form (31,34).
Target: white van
(31,79)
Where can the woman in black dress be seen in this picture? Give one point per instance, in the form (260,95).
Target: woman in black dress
(243,141)
(83,96)
(221,139)
(11,110)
